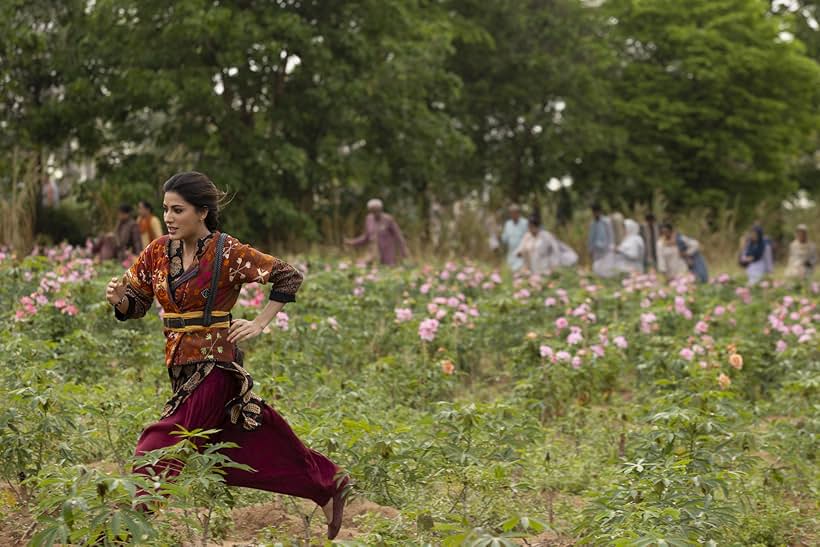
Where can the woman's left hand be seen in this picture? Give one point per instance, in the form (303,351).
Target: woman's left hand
(242,329)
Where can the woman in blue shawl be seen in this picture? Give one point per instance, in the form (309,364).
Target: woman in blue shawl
(757,255)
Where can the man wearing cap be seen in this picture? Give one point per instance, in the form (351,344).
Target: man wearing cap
(382,235)
(514,230)
(802,255)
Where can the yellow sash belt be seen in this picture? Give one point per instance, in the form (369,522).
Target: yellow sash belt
(197,315)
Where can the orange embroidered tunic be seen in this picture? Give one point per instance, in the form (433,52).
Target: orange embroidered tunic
(157,273)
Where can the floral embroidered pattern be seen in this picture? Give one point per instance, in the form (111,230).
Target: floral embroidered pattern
(152,275)
(244,410)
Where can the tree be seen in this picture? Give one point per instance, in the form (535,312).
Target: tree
(301,107)
(532,98)
(43,97)
(716,105)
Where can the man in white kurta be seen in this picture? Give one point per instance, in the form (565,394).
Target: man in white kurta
(542,252)
(511,236)
(601,244)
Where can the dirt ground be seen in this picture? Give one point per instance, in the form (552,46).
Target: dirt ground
(249,523)
(17,527)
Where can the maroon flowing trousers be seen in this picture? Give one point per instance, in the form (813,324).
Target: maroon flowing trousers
(281,462)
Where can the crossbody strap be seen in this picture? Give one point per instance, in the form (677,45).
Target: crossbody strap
(217,270)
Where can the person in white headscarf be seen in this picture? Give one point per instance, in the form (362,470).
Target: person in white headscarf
(382,235)
(802,255)
(629,256)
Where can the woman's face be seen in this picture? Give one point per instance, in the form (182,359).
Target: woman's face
(143,210)
(667,233)
(533,229)
(182,219)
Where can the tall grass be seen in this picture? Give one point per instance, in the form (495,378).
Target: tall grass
(18,201)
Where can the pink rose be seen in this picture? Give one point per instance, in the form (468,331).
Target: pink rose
(403,314)
(428,329)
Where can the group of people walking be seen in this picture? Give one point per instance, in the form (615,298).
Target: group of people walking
(616,245)
(619,245)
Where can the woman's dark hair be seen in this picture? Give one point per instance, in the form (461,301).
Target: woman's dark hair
(125,208)
(667,226)
(146,205)
(198,190)
(534,219)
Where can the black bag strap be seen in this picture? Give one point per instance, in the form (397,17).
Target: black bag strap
(215,273)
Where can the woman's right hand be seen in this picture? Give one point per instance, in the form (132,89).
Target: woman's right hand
(115,290)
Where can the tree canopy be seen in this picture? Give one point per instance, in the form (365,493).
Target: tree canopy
(305,108)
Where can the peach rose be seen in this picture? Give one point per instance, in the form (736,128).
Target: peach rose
(724,381)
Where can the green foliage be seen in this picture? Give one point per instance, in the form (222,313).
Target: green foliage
(78,504)
(699,82)
(475,437)
(70,222)
(679,484)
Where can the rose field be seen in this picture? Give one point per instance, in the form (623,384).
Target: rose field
(469,407)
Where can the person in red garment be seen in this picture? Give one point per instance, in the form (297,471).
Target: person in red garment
(195,272)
